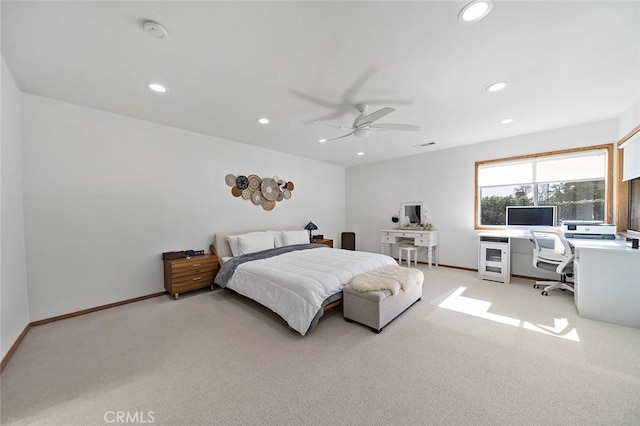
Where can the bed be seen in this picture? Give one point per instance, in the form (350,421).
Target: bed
(280,270)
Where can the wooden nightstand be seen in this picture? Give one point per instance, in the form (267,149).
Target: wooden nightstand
(190,274)
(326,242)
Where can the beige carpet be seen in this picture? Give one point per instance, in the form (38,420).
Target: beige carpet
(471,352)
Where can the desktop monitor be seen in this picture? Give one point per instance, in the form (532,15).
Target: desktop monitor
(531,216)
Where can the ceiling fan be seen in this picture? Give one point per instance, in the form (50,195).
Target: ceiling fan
(364,124)
(347,101)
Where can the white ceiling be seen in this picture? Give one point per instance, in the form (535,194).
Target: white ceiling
(228,63)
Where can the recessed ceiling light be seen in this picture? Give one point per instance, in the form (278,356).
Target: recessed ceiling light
(496,87)
(157,87)
(506,121)
(263,121)
(322,141)
(475,11)
(360,153)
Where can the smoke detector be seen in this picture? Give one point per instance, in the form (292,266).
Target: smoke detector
(155,29)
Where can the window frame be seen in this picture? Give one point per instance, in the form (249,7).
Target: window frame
(608,180)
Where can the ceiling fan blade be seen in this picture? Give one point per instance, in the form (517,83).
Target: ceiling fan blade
(335,126)
(392,126)
(317,101)
(339,137)
(356,86)
(370,118)
(379,101)
(339,112)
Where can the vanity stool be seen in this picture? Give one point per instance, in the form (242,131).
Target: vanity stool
(409,248)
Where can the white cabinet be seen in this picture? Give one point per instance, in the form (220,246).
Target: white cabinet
(493,259)
(631,164)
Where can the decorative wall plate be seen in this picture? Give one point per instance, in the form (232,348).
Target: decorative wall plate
(256,198)
(242,182)
(268,204)
(246,194)
(236,192)
(230,179)
(254,182)
(269,189)
(290,186)
(286,194)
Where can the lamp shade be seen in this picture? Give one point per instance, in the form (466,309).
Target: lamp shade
(310,226)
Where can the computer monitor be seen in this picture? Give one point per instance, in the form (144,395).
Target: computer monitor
(531,216)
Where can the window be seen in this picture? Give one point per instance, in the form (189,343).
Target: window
(576,181)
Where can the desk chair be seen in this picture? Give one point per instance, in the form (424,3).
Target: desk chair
(552,252)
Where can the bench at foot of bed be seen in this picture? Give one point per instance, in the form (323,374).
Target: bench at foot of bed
(375,309)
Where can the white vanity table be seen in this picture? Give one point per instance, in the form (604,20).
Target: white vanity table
(428,239)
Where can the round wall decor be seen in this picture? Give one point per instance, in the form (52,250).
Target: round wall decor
(256,198)
(269,189)
(265,192)
(254,182)
(230,179)
(242,182)
(268,204)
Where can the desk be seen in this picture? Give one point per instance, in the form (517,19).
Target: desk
(606,274)
(607,281)
(428,239)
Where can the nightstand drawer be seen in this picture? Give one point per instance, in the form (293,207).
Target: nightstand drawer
(187,272)
(206,276)
(192,284)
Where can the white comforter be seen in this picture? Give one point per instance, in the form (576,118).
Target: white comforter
(295,284)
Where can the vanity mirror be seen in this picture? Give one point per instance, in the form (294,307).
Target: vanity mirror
(411,213)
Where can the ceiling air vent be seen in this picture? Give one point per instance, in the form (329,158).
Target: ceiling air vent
(422,145)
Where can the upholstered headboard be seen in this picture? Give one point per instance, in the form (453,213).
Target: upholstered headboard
(220,245)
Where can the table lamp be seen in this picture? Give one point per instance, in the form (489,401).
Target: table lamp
(310,227)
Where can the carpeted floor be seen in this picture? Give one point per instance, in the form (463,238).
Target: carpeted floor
(471,352)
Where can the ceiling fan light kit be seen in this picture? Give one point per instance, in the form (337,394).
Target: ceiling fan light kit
(364,124)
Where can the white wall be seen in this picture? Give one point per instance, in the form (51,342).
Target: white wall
(14,311)
(444,181)
(630,118)
(105,195)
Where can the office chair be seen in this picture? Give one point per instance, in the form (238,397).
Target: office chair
(552,252)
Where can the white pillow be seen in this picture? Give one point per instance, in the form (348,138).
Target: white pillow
(277,239)
(233,240)
(295,237)
(256,242)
